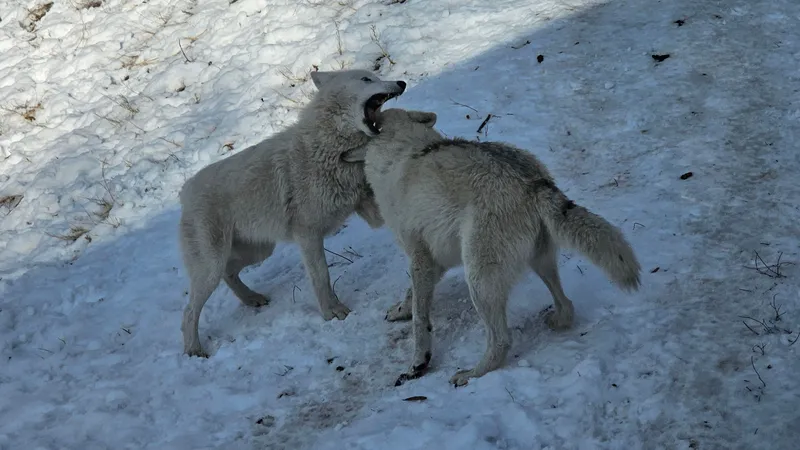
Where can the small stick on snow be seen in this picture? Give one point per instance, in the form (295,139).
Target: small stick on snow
(103,164)
(778,264)
(184,53)
(776,308)
(483,124)
(286,370)
(748,327)
(465,106)
(512,397)
(753,363)
(295,288)
(767,329)
(340,256)
(351,251)
(333,288)
(770,270)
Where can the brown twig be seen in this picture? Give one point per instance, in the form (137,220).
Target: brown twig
(770,270)
(776,308)
(351,251)
(465,106)
(767,329)
(340,256)
(184,53)
(751,329)
(483,124)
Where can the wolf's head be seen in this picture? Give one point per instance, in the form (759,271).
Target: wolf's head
(356,96)
(400,127)
(407,121)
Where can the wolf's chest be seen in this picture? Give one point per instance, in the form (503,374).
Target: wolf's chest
(340,186)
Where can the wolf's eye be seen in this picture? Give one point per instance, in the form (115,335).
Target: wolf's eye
(366,79)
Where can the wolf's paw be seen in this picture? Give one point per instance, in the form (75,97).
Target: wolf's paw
(399,312)
(461,378)
(255,300)
(338,310)
(559,320)
(196,350)
(418,369)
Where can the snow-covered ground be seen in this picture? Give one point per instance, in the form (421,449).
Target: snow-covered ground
(107,106)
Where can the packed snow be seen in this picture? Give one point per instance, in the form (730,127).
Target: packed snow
(676,120)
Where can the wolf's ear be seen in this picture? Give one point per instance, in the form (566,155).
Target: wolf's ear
(321,78)
(355,155)
(426,118)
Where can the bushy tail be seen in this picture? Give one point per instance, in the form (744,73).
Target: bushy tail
(576,227)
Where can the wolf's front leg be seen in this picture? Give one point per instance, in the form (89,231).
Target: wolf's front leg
(401,311)
(317,270)
(425,274)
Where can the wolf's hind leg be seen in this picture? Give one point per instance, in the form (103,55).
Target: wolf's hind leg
(243,255)
(544,263)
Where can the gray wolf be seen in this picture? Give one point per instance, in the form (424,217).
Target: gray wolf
(292,187)
(490,207)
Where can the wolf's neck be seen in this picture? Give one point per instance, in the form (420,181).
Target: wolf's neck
(325,135)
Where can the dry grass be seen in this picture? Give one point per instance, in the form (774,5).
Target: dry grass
(72,235)
(105,208)
(339,44)
(375,37)
(124,103)
(25,110)
(9,202)
(88,4)
(291,77)
(286,97)
(131,61)
(35,14)
(29,112)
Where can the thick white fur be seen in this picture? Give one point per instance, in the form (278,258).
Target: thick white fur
(293,187)
(493,208)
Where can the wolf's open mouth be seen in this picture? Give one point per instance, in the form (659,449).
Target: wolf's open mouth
(371,108)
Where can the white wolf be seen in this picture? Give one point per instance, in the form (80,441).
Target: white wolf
(493,208)
(292,187)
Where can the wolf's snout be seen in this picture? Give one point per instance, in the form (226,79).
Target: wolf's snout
(402,85)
